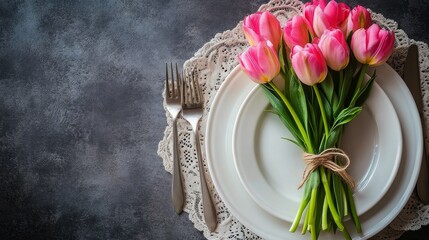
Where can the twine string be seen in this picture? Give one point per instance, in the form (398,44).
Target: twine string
(326,159)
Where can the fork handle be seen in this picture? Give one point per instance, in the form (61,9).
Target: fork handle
(208,207)
(177,186)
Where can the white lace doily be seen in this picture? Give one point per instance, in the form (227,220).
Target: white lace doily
(214,61)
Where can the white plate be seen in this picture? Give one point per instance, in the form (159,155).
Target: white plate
(227,182)
(271,168)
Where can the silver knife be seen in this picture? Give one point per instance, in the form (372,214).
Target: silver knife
(412,80)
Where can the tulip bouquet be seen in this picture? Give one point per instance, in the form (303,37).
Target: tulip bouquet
(321,56)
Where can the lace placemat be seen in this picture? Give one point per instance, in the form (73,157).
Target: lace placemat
(214,61)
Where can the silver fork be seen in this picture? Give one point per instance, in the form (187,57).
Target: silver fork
(192,110)
(173,103)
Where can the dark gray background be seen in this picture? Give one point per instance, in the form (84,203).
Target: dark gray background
(81,110)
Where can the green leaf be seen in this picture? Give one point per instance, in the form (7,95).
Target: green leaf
(352,77)
(315,129)
(283,58)
(328,110)
(344,89)
(334,135)
(328,88)
(292,141)
(271,111)
(286,85)
(284,114)
(335,105)
(298,99)
(312,181)
(365,91)
(345,116)
(338,193)
(319,210)
(352,209)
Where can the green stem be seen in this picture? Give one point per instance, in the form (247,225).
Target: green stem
(325,215)
(353,210)
(346,234)
(305,225)
(294,116)
(344,195)
(311,209)
(313,232)
(302,206)
(331,205)
(322,110)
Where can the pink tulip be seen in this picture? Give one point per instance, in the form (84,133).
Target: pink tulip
(309,64)
(372,46)
(297,32)
(309,7)
(262,26)
(308,12)
(338,13)
(320,22)
(260,63)
(334,15)
(334,48)
(359,18)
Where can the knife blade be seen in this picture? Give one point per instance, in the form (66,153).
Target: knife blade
(412,80)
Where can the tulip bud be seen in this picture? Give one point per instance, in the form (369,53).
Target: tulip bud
(260,63)
(372,46)
(359,18)
(334,48)
(297,32)
(342,16)
(262,26)
(334,15)
(308,12)
(308,9)
(320,22)
(309,64)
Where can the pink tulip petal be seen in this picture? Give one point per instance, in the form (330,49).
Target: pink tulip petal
(378,45)
(309,64)
(334,49)
(372,38)
(260,63)
(331,13)
(297,32)
(308,12)
(270,28)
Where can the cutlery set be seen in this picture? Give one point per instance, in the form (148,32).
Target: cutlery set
(183,94)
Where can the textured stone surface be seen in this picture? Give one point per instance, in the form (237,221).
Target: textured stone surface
(81,111)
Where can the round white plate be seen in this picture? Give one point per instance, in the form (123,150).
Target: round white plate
(270,168)
(218,145)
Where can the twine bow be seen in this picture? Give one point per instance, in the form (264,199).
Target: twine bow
(325,159)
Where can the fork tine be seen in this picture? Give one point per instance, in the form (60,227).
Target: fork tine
(172,81)
(178,82)
(167,86)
